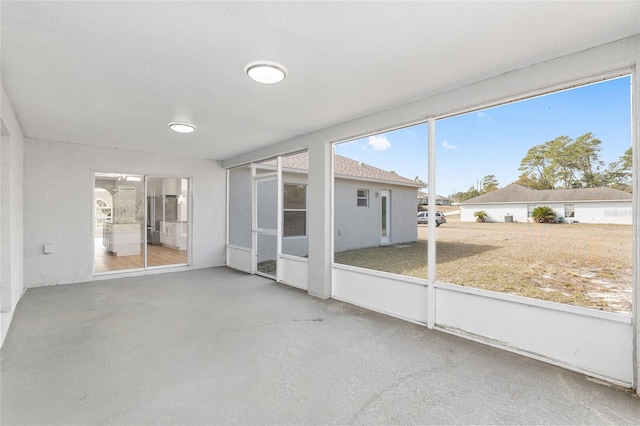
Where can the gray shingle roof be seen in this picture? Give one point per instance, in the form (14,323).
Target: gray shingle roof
(515,193)
(347,168)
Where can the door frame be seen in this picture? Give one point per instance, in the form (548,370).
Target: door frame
(385,221)
(255,230)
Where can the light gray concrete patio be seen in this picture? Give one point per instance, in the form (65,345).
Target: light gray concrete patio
(216,346)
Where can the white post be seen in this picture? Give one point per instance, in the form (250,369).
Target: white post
(279,219)
(319,215)
(635,136)
(431,243)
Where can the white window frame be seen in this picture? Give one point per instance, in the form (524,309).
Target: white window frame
(365,197)
(284,210)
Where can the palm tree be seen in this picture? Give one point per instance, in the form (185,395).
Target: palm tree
(481,216)
(543,214)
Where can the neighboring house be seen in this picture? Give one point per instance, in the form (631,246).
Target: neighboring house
(372,206)
(423,200)
(583,205)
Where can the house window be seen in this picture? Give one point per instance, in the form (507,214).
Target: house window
(530,208)
(569,210)
(363,198)
(294,218)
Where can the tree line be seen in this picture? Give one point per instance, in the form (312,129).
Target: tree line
(563,163)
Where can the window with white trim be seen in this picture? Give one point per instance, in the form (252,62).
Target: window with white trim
(569,210)
(363,198)
(294,218)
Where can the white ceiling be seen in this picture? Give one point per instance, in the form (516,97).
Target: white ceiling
(116,73)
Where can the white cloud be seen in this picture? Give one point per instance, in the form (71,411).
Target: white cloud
(484,115)
(379,142)
(447,145)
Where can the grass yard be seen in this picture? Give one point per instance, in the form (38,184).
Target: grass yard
(578,264)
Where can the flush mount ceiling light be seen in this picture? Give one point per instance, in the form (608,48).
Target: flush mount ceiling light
(182,127)
(266,73)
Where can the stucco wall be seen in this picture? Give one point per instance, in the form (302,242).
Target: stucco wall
(356,226)
(59,202)
(11,213)
(613,212)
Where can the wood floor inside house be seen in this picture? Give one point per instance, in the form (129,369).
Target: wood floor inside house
(157,255)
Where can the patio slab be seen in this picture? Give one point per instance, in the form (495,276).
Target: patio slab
(216,346)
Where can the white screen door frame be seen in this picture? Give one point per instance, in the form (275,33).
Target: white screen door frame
(266,238)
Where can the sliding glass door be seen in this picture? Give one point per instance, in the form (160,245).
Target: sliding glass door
(140,222)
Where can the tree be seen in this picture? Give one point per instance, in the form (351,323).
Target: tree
(421,182)
(467,195)
(543,214)
(531,182)
(537,166)
(585,155)
(564,163)
(481,216)
(618,174)
(489,183)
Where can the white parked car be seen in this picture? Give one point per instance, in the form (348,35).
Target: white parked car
(423,217)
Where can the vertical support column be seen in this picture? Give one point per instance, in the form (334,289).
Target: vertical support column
(431,243)
(320,248)
(5,223)
(279,219)
(635,138)
(254,221)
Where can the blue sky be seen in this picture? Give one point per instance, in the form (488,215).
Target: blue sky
(494,140)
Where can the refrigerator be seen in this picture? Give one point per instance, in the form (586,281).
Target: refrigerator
(160,209)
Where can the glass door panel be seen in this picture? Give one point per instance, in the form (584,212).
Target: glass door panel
(167,224)
(118,222)
(266,231)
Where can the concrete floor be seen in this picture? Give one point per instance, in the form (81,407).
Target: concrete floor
(217,346)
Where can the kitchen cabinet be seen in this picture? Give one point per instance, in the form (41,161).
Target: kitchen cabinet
(122,239)
(170,187)
(174,234)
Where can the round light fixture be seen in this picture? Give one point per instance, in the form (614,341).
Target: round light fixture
(182,127)
(266,73)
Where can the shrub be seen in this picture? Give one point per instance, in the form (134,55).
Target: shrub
(543,214)
(481,216)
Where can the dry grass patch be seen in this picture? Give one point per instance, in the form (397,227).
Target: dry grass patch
(582,265)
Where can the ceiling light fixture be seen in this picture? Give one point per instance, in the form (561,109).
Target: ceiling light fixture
(182,127)
(266,73)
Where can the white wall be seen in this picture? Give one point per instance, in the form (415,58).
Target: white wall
(586,340)
(11,213)
(612,212)
(59,202)
(357,226)
(496,213)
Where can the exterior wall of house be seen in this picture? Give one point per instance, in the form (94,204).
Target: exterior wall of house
(612,212)
(58,191)
(11,214)
(496,213)
(357,227)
